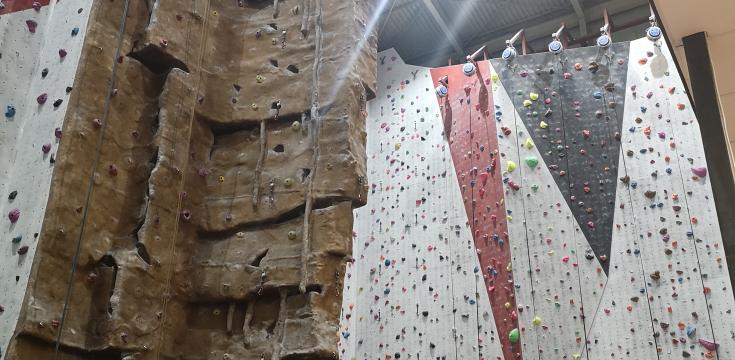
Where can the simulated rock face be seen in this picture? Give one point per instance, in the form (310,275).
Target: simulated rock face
(227,142)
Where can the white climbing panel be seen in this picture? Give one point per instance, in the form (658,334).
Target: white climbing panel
(40,49)
(415,289)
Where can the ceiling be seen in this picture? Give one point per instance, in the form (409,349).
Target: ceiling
(429,32)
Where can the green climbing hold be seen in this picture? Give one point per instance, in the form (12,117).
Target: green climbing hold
(531,161)
(514,336)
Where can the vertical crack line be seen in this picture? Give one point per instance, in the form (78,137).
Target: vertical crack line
(306,8)
(275,9)
(230,315)
(259,166)
(248,318)
(280,326)
(90,187)
(314,129)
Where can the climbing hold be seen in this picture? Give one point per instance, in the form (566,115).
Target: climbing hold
(531,161)
(12,195)
(494,77)
(650,194)
(62,53)
(36,6)
(287,182)
(41,99)
(58,103)
(9,111)
(75,31)
(578,67)
(514,336)
(708,344)
(112,170)
(295,126)
(57,133)
(259,78)
(536,321)
(22,250)
(14,215)
(510,166)
(529,144)
(46,148)
(597,94)
(31,25)
(700,171)
(17,239)
(543,125)
(527,103)
(533,96)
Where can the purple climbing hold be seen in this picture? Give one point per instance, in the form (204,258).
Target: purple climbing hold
(23,250)
(14,215)
(57,133)
(32,25)
(708,344)
(62,53)
(700,171)
(41,99)
(46,148)
(36,6)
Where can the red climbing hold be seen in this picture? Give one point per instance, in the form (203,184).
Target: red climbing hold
(32,25)
(14,215)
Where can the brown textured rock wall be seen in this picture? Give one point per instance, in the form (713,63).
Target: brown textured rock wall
(217,226)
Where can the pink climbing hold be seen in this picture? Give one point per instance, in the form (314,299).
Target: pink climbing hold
(709,344)
(41,99)
(32,25)
(46,148)
(700,171)
(565,258)
(62,53)
(14,215)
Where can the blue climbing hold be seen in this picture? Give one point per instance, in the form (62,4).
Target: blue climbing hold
(386,291)
(477,269)
(10,111)
(387,262)
(691,330)
(75,31)
(597,94)
(472,302)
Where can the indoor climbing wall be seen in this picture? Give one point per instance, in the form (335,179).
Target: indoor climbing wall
(40,48)
(582,201)
(416,288)
(201,201)
(613,233)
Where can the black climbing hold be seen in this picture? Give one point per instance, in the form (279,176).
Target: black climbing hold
(58,102)
(68,89)
(12,195)
(44,72)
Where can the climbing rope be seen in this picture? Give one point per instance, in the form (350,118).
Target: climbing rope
(90,187)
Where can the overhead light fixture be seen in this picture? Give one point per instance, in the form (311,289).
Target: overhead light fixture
(510,51)
(555,46)
(604,41)
(441,88)
(653,32)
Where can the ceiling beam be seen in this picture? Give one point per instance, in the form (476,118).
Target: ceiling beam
(443,25)
(581,19)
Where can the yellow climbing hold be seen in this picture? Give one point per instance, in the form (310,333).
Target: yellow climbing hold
(509,217)
(397,146)
(495,77)
(510,166)
(529,144)
(576,357)
(509,267)
(527,103)
(507,305)
(533,96)
(221,179)
(536,321)
(543,125)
